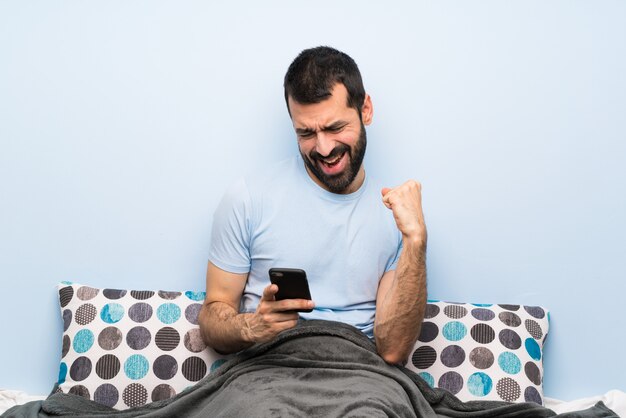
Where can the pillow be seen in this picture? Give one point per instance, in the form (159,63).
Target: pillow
(126,348)
(483,352)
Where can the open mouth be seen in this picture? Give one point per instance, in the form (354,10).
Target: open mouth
(334,165)
(332,162)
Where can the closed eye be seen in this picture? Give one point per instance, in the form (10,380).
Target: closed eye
(335,127)
(305,134)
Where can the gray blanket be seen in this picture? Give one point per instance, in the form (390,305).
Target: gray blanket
(322,369)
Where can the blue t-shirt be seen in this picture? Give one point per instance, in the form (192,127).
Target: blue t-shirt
(282,218)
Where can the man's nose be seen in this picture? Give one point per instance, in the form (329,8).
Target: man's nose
(324,144)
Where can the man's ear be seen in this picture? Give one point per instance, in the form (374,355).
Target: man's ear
(367,110)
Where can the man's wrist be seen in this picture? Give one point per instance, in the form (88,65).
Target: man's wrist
(417,240)
(246,333)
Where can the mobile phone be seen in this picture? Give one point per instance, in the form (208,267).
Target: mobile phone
(292,284)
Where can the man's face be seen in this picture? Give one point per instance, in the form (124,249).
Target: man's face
(332,140)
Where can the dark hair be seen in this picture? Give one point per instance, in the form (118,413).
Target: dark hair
(312,75)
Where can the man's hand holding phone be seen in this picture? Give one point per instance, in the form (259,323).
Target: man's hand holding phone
(273,316)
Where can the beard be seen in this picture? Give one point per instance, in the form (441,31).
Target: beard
(338,183)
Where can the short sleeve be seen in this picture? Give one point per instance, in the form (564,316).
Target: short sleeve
(393,263)
(230,235)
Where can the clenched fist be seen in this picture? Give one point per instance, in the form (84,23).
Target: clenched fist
(405,201)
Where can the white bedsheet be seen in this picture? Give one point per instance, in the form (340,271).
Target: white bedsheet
(9,398)
(614,399)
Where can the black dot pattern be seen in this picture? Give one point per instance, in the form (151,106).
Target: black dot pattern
(508,389)
(167,338)
(86,293)
(194,369)
(65,295)
(451,381)
(67,319)
(80,369)
(108,366)
(123,348)
(483,314)
(135,395)
(80,390)
(510,307)
(483,333)
(141,294)
(66,346)
(452,356)
(169,295)
(192,311)
(114,294)
(85,314)
(481,358)
(424,357)
(193,341)
(455,311)
(535,311)
(140,312)
(431,311)
(531,394)
(532,372)
(110,338)
(510,319)
(533,329)
(162,391)
(482,352)
(428,332)
(106,394)
(165,367)
(510,339)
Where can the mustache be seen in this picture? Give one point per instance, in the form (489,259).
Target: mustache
(336,152)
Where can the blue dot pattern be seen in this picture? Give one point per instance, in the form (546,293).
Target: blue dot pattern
(62,373)
(217,363)
(479,384)
(474,372)
(117,358)
(509,363)
(112,313)
(483,351)
(454,331)
(195,296)
(168,313)
(533,348)
(136,366)
(83,341)
(428,378)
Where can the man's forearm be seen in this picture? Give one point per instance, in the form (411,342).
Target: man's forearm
(223,328)
(399,318)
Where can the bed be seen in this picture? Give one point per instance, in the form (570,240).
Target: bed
(139,353)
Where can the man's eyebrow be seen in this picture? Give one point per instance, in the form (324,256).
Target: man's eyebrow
(332,127)
(305,131)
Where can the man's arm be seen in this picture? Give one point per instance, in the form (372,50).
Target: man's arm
(227,330)
(401,297)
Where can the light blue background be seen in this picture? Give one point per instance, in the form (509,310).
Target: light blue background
(122,122)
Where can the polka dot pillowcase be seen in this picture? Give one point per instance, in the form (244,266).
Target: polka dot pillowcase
(483,352)
(125,348)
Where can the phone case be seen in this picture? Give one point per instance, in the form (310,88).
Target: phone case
(292,284)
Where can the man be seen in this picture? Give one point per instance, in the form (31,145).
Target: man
(363,247)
